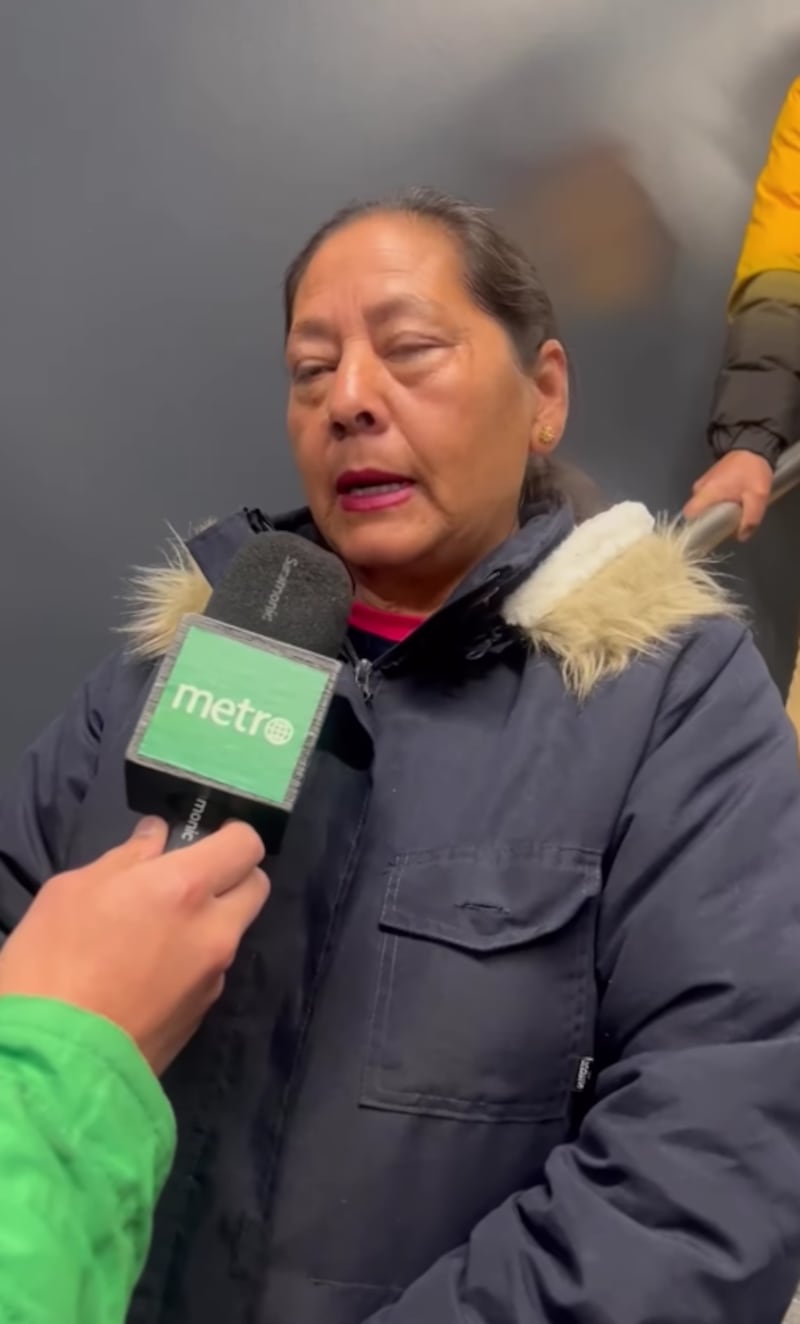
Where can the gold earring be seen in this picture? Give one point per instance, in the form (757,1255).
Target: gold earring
(546,437)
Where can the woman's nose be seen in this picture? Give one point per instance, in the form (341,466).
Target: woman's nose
(354,401)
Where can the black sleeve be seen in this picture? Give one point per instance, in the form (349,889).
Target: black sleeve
(40,801)
(757,397)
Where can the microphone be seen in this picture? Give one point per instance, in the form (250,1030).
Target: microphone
(237,705)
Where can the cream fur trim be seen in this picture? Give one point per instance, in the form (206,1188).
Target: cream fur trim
(632,605)
(161,596)
(588,548)
(618,587)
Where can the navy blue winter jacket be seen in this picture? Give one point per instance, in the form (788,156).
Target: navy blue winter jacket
(517,1038)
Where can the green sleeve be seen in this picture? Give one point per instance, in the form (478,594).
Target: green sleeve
(86,1140)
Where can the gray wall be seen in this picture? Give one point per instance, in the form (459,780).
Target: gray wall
(160,160)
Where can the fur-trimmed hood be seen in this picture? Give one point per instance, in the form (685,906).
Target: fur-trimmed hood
(618,586)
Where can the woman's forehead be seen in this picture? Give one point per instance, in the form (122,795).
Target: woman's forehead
(384,258)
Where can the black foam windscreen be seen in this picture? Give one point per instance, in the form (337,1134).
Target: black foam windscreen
(285,587)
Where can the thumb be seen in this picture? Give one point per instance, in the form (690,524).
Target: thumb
(148,829)
(146,842)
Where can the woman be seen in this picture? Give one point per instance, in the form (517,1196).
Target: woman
(519,1036)
(87,1020)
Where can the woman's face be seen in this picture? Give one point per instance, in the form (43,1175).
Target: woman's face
(410,417)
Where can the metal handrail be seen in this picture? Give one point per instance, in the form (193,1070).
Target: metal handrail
(719,522)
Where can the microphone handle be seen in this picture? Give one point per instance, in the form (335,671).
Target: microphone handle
(197,818)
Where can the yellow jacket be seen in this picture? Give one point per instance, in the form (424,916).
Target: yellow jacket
(772,238)
(757,395)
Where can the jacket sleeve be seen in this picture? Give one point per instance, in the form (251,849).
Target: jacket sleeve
(679,1198)
(756,403)
(757,398)
(86,1140)
(39,803)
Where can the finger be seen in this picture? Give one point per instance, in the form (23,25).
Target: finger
(146,842)
(753,509)
(218,862)
(701,501)
(240,905)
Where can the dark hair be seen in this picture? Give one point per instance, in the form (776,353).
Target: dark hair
(499,276)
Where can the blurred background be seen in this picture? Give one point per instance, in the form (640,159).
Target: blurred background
(160,163)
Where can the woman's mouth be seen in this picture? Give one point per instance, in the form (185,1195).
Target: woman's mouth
(371,489)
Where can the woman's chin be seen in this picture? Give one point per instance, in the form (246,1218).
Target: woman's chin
(376,548)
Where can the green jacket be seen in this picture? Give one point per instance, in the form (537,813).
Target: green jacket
(86,1140)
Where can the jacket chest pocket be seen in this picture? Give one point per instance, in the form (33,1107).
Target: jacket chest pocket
(485,996)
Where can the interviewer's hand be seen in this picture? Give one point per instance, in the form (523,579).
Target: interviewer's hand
(142,938)
(740,476)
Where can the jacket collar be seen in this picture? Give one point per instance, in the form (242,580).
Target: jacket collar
(544,527)
(595,597)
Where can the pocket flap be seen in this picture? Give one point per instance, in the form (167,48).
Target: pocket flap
(489,898)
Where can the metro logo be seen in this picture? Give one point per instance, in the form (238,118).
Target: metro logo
(275,730)
(234,710)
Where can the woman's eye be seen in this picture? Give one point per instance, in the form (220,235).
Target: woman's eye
(408,349)
(307,372)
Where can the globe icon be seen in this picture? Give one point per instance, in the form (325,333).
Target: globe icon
(278,731)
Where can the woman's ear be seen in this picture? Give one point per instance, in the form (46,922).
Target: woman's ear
(550,380)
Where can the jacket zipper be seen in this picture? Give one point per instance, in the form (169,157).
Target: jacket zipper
(364,670)
(363,675)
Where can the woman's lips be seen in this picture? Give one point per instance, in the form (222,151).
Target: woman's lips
(375,496)
(361,490)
